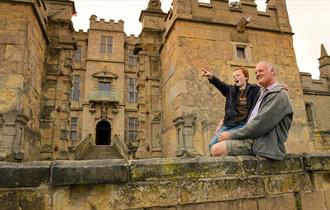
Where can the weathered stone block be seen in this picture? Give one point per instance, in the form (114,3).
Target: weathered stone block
(12,37)
(287,183)
(89,172)
(14,53)
(207,190)
(28,174)
(32,199)
(326,194)
(150,169)
(312,200)
(291,164)
(280,202)
(317,161)
(321,180)
(250,165)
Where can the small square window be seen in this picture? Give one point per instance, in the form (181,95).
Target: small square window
(240,52)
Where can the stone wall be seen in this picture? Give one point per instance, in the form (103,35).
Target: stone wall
(22,48)
(300,182)
(198,35)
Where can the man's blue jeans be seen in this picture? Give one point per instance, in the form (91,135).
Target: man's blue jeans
(224,128)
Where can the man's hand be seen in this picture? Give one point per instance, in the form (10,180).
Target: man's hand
(206,73)
(224,136)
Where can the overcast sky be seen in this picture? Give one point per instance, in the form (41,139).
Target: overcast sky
(310,21)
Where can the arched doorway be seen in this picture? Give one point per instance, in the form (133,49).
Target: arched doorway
(103,133)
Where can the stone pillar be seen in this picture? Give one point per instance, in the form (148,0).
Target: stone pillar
(185,128)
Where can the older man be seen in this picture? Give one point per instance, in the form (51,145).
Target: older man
(268,124)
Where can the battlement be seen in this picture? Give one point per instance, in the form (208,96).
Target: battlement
(101,24)
(131,39)
(297,182)
(314,86)
(275,18)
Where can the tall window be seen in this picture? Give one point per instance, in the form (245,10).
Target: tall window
(132,128)
(77,54)
(73,134)
(132,91)
(75,93)
(106,44)
(132,60)
(309,113)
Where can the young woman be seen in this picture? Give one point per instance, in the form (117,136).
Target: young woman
(239,99)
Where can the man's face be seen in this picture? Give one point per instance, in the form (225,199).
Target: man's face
(239,78)
(264,76)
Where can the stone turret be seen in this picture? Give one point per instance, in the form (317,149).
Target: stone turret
(56,84)
(324,62)
(149,103)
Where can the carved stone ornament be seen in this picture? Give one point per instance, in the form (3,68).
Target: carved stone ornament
(105,74)
(154,5)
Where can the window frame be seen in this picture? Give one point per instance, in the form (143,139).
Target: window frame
(75,126)
(106,44)
(75,91)
(132,130)
(132,95)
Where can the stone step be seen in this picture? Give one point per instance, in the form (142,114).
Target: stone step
(101,152)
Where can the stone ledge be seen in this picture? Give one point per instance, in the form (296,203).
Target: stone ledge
(316,161)
(89,172)
(29,174)
(210,167)
(173,168)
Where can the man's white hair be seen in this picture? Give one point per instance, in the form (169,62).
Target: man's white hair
(269,65)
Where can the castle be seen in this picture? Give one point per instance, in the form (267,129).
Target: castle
(69,94)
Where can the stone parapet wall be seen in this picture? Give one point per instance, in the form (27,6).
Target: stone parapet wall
(298,182)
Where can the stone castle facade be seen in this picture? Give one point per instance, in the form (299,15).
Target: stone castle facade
(66,92)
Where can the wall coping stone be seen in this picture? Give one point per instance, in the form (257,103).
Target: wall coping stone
(89,172)
(27,174)
(69,172)
(316,161)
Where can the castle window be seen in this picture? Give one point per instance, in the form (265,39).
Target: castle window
(77,54)
(132,91)
(73,133)
(132,128)
(105,86)
(132,60)
(309,114)
(240,52)
(75,93)
(106,44)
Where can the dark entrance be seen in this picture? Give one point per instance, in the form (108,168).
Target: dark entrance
(103,133)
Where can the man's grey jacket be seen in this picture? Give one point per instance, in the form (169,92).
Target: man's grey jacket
(270,128)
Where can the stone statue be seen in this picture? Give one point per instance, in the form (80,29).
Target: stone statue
(104,109)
